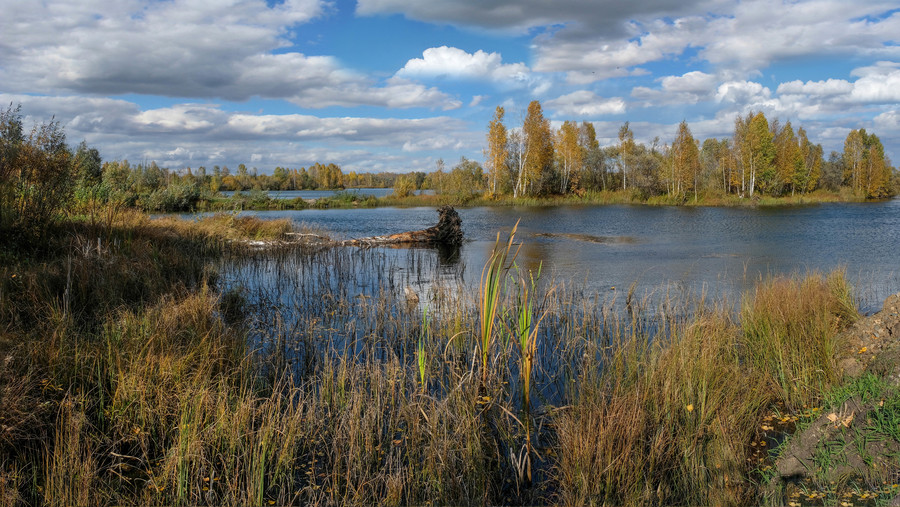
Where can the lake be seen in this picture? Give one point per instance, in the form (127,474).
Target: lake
(674,250)
(308,304)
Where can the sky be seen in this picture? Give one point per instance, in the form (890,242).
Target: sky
(396,85)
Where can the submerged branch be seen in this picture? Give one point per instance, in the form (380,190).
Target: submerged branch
(447,232)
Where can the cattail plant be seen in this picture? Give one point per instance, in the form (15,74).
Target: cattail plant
(489,296)
(527,331)
(421,354)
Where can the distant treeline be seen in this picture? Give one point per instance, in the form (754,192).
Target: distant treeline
(153,188)
(315,177)
(43,178)
(761,157)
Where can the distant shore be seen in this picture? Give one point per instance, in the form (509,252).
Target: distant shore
(352,198)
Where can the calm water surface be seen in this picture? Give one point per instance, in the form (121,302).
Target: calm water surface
(674,250)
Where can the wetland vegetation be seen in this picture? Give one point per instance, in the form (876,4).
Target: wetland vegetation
(166,361)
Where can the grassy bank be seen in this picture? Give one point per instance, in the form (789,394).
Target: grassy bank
(259,200)
(624,197)
(134,373)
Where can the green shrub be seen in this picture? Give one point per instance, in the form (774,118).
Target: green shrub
(36,176)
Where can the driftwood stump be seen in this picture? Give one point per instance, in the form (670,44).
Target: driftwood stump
(447,233)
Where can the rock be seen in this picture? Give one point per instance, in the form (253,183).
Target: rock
(870,338)
(790,467)
(412,299)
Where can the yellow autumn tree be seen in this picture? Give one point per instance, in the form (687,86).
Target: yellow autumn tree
(813,158)
(535,151)
(788,160)
(684,163)
(569,155)
(865,168)
(497,153)
(754,153)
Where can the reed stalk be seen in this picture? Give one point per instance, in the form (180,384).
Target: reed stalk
(527,333)
(491,284)
(421,352)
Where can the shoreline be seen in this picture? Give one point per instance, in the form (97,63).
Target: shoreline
(348,199)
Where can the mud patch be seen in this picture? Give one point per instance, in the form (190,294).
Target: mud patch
(848,452)
(588,238)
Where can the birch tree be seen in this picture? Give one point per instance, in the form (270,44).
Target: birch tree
(538,147)
(497,152)
(625,149)
(685,162)
(569,154)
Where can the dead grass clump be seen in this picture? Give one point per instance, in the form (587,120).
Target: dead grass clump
(70,466)
(790,332)
(669,418)
(228,226)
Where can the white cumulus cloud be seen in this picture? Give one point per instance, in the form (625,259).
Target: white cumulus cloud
(456,63)
(742,37)
(227,49)
(826,88)
(742,92)
(876,85)
(584,103)
(690,88)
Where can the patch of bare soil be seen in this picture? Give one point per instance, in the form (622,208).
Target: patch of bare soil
(850,454)
(875,342)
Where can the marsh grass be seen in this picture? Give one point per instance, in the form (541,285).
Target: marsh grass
(790,331)
(163,362)
(669,418)
(73,346)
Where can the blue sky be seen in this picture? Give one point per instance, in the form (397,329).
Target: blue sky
(394,85)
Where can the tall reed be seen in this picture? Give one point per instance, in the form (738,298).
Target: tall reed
(421,351)
(491,285)
(526,332)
